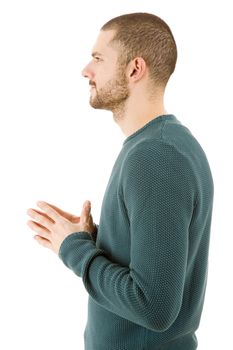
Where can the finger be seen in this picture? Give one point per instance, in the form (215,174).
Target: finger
(44,220)
(43,241)
(45,215)
(52,213)
(85,211)
(42,231)
(67,215)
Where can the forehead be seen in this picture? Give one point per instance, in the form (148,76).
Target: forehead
(102,44)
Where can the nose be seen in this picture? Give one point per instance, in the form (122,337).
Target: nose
(86,73)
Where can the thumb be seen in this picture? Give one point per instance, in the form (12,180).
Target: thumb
(86,211)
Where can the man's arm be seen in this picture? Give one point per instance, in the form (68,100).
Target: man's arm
(158,191)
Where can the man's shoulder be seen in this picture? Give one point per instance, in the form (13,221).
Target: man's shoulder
(175,138)
(175,151)
(152,148)
(154,154)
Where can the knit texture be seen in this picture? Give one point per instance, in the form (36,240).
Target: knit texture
(146,269)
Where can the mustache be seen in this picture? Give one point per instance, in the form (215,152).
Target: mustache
(91,83)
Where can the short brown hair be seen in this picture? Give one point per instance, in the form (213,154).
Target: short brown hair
(148,36)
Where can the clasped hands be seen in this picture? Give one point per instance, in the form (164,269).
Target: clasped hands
(54,225)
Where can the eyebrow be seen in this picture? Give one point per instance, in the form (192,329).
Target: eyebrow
(96,53)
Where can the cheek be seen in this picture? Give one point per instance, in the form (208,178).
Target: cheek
(103,77)
(102,73)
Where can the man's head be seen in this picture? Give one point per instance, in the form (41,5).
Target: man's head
(109,86)
(131,49)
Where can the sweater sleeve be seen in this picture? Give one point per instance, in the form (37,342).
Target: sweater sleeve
(157,190)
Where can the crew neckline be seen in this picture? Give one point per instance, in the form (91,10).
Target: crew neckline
(152,121)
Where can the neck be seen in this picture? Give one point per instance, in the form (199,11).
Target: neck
(135,113)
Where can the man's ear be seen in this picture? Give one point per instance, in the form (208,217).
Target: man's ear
(136,69)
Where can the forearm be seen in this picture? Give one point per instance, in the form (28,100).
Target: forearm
(125,291)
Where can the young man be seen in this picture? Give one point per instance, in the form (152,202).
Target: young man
(145,264)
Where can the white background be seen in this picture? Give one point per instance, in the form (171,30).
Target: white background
(56,148)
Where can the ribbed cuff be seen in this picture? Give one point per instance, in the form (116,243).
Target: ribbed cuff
(77,250)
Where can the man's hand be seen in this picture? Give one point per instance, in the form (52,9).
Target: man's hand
(55,225)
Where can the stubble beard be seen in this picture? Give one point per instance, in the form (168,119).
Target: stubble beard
(112,96)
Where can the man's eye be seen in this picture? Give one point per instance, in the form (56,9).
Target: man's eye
(97,58)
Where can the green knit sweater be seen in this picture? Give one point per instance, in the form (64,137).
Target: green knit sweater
(146,269)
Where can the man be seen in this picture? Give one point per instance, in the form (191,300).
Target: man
(145,264)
